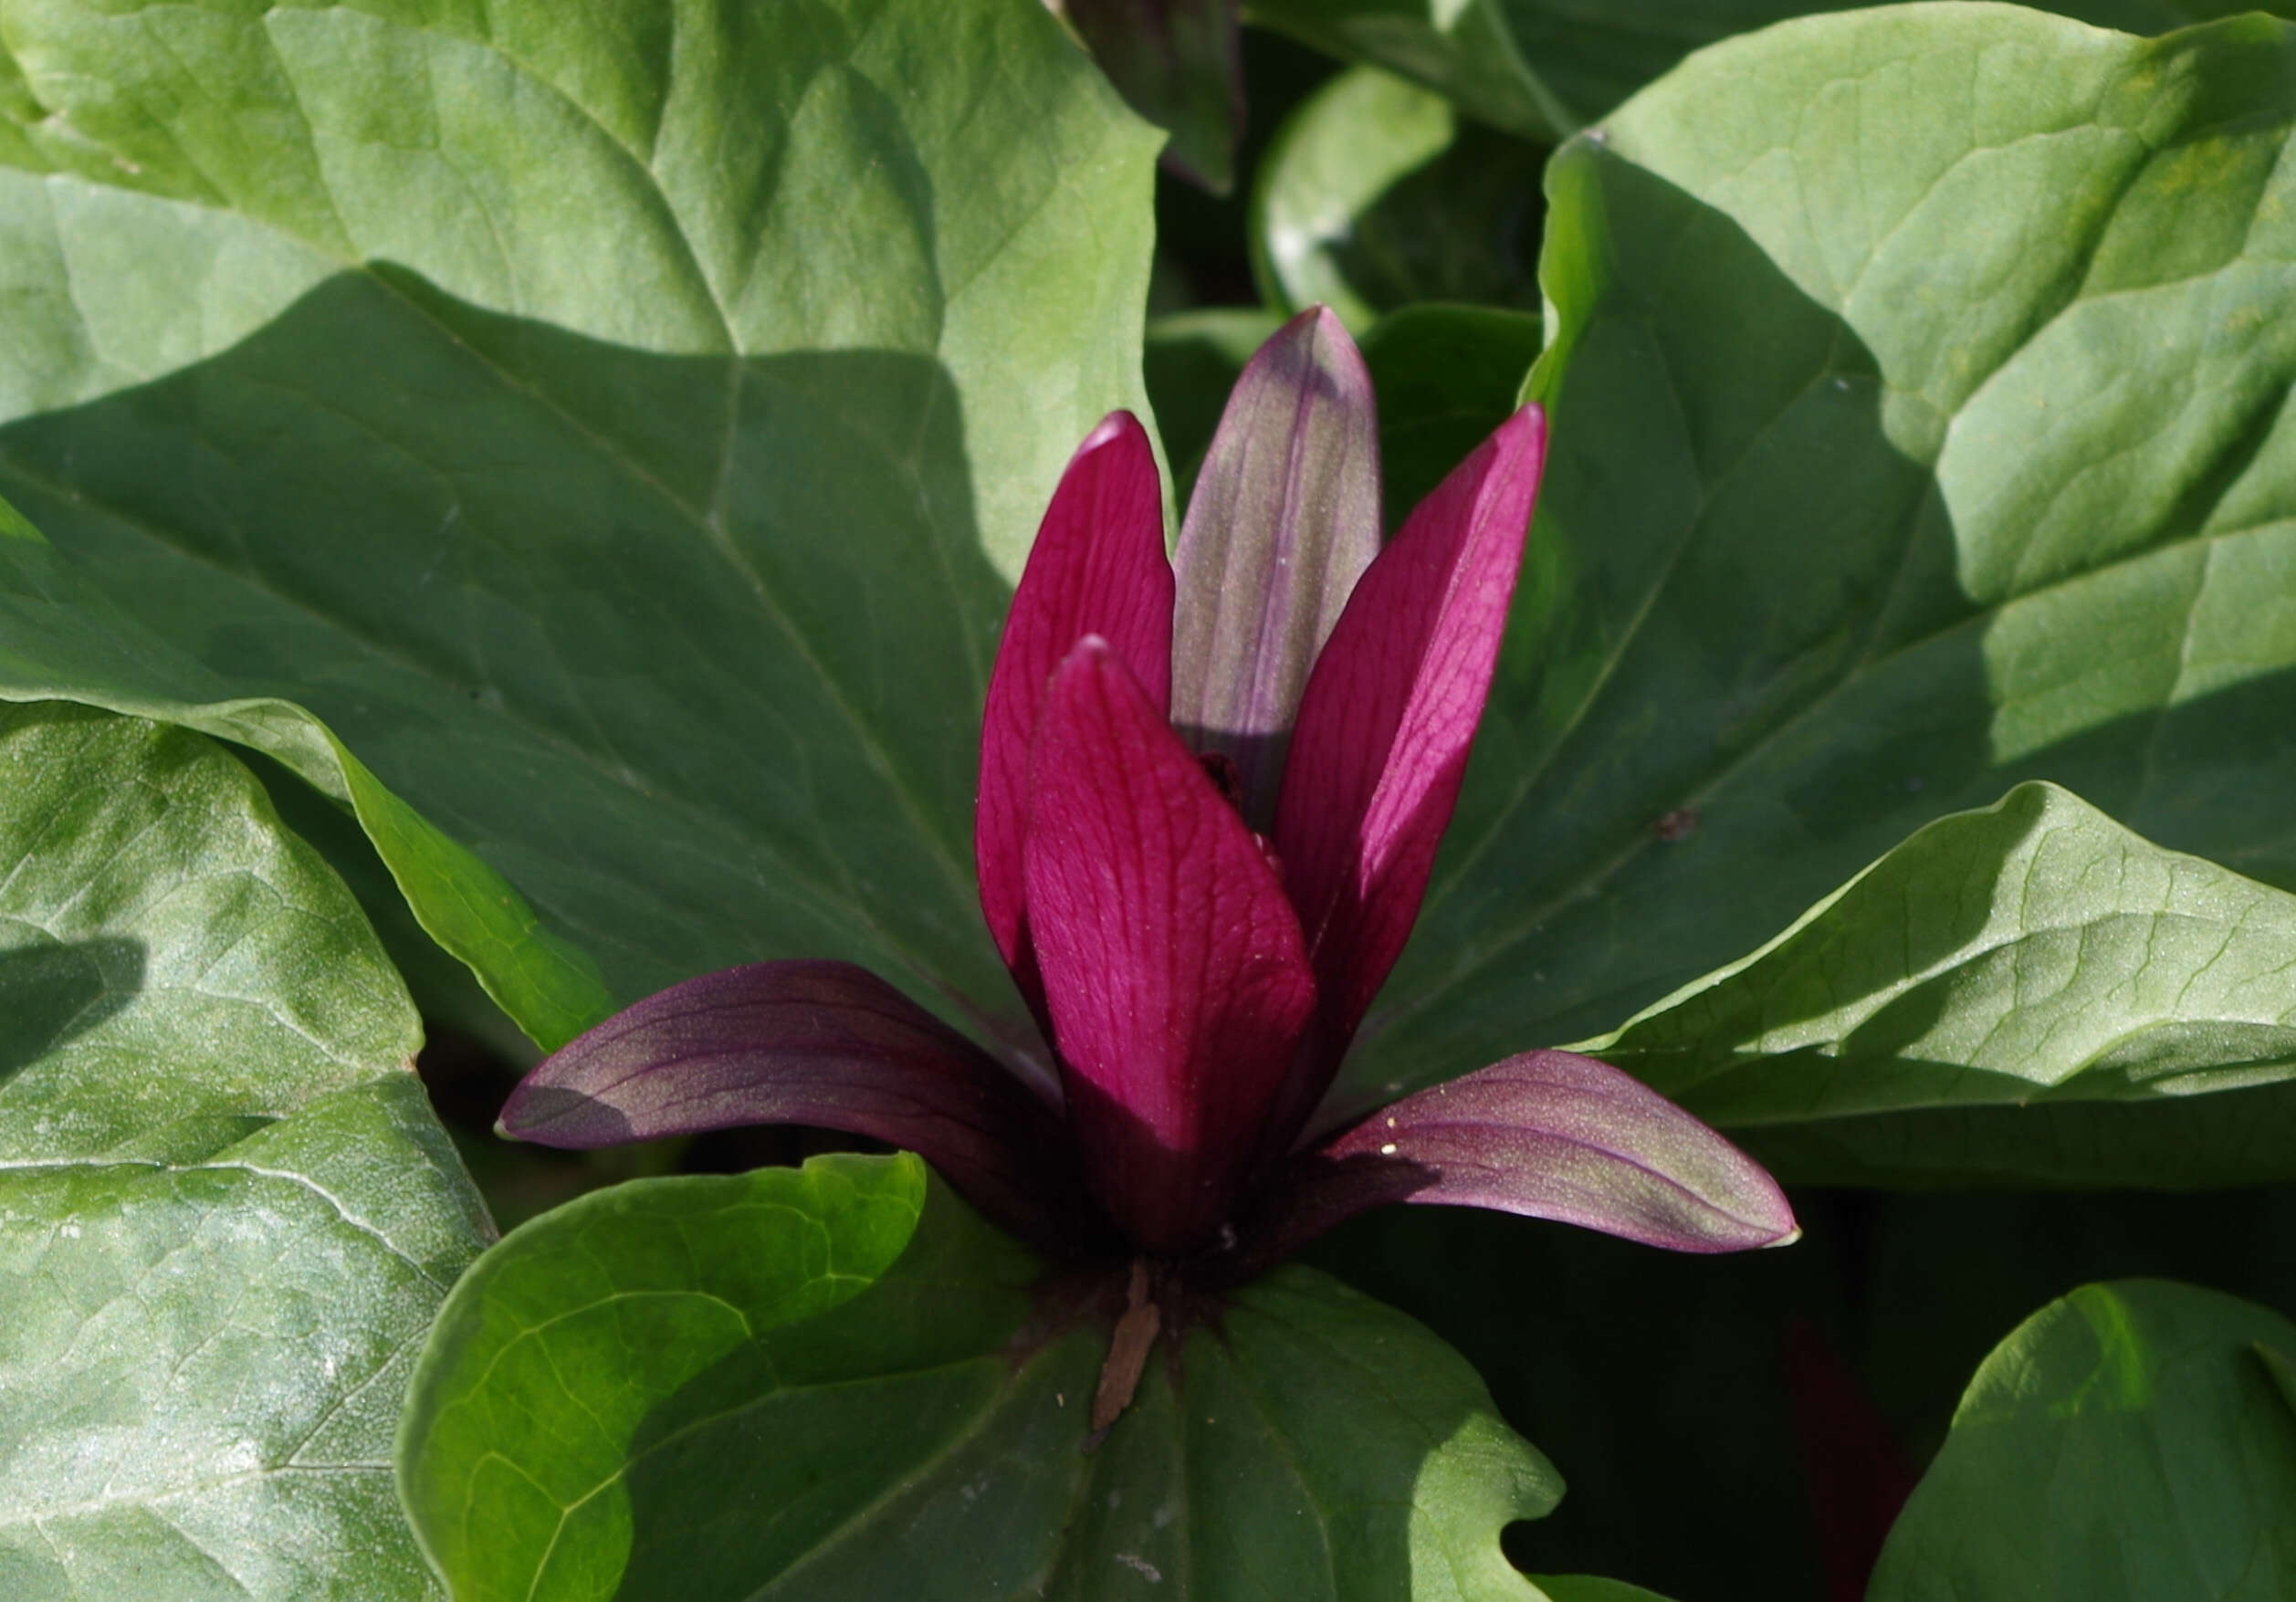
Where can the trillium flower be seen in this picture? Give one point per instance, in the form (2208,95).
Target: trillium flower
(1211,789)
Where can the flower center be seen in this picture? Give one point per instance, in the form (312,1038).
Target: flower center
(1225,776)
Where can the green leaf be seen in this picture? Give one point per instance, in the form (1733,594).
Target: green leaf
(1543,68)
(836,1382)
(1446,376)
(227,1214)
(1918,432)
(2033,954)
(2280,1368)
(618,425)
(1191,361)
(2125,1443)
(1591,1588)
(1179,63)
(1373,194)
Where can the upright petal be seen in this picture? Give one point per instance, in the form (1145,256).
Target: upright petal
(1389,713)
(1098,567)
(1550,1135)
(824,1043)
(1173,966)
(1284,519)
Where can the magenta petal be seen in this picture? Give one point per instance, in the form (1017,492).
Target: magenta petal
(1390,711)
(1283,520)
(1173,966)
(824,1043)
(1098,567)
(1550,1135)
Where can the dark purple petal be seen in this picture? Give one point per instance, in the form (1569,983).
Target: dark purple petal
(1098,567)
(824,1043)
(1173,968)
(1179,64)
(1384,728)
(1284,519)
(1550,1135)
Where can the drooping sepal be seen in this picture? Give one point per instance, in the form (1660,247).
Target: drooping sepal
(1548,1135)
(822,1043)
(1098,567)
(1174,973)
(1284,521)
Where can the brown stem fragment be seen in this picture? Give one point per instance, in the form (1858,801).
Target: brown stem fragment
(1128,1350)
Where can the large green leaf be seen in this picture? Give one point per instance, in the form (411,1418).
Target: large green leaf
(618,424)
(1918,431)
(1374,195)
(1543,68)
(836,1383)
(227,1215)
(1446,376)
(2124,1444)
(2031,955)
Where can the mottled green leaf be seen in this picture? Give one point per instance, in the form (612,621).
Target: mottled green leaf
(1919,430)
(837,1383)
(1374,194)
(227,1215)
(2030,955)
(2124,1444)
(1543,68)
(619,425)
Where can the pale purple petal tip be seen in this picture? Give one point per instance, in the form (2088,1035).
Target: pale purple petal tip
(1548,1135)
(822,1043)
(1284,521)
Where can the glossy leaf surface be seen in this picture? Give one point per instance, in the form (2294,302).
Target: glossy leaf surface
(1915,435)
(2125,1442)
(614,1393)
(227,1214)
(1543,68)
(2025,956)
(500,390)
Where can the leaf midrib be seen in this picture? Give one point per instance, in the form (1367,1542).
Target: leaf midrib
(1587,883)
(708,525)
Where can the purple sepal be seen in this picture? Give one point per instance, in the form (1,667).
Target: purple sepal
(1283,520)
(822,1043)
(1548,1135)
